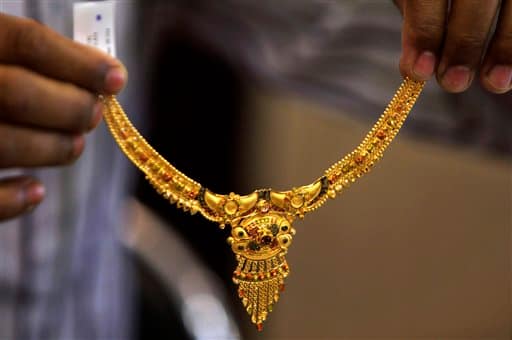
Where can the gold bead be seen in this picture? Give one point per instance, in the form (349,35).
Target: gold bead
(231,207)
(346,168)
(297,201)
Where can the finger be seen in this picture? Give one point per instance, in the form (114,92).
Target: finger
(422,37)
(27,98)
(496,75)
(19,195)
(31,99)
(27,43)
(24,147)
(469,25)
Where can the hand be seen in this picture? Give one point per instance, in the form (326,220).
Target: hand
(452,42)
(48,101)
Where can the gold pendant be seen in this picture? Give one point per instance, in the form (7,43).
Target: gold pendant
(261,222)
(261,232)
(260,244)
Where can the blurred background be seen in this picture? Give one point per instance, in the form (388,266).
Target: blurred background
(271,96)
(242,95)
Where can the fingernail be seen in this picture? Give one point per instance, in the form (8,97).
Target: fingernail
(97,114)
(456,78)
(34,194)
(115,79)
(500,77)
(78,145)
(425,65)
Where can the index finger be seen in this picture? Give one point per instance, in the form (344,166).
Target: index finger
(29,44)
(422,36)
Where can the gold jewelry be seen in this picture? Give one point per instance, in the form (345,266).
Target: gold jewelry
(261,229)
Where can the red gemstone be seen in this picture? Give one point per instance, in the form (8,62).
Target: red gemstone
(143,157)
(266,240)
(192,195)
(261,276)
(241,293)
(253,232)
(381,135)
(359,159)
(249,276)
(123,133)
(166,177)
(259,327)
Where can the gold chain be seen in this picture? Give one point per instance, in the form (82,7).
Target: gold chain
(261,230)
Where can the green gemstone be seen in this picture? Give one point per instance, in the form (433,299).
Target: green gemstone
(254,246)
(274,229)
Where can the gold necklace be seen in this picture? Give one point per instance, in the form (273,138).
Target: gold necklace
(261,222)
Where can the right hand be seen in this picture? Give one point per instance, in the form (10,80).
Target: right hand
(456,41)
(48,101)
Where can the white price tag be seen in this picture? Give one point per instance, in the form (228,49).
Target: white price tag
(94,25)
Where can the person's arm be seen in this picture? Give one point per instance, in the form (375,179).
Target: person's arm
(451,42)
(48,101)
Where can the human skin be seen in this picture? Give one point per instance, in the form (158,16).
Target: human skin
(48,102)
(451,42)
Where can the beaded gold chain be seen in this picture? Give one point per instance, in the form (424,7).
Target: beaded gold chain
(261,222)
